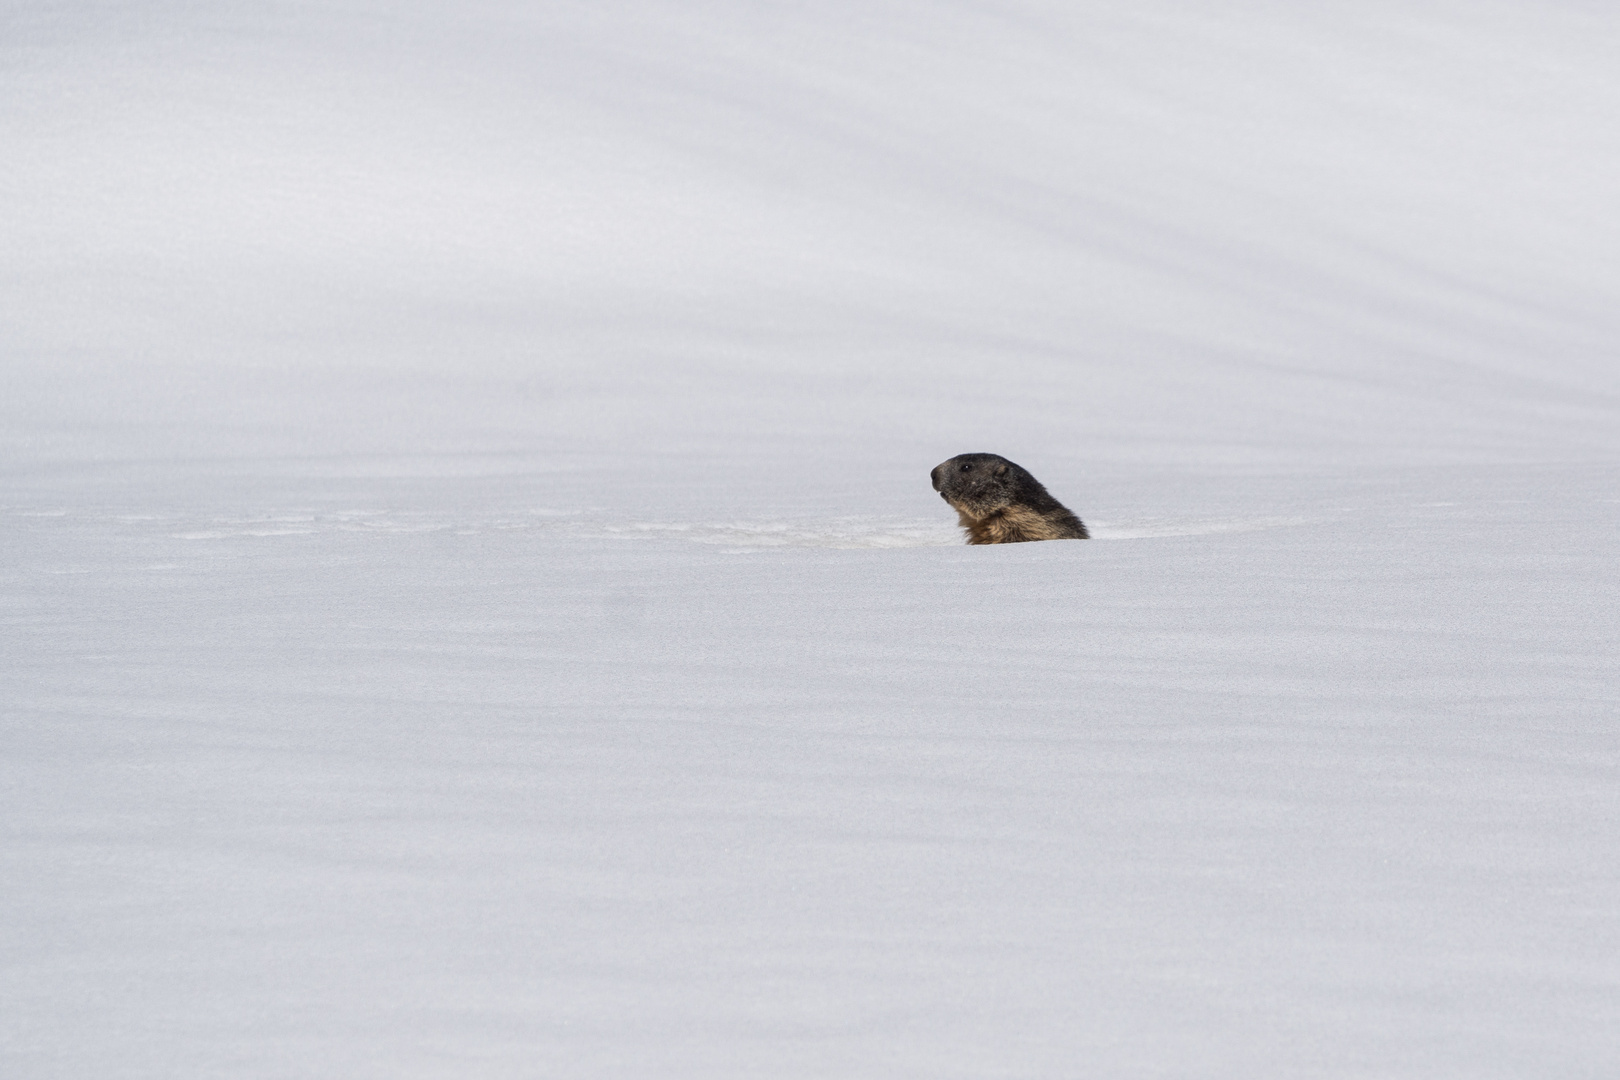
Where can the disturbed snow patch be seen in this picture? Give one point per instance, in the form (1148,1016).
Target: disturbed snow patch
(848,532)
(1156,527)
(857,532)
(737,536)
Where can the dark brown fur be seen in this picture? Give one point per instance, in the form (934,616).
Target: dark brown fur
(1001,503)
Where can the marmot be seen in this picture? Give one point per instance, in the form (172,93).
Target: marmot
(1000,503)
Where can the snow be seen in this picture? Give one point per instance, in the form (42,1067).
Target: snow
(472,603)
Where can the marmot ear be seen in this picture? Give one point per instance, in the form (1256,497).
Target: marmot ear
(1001,470)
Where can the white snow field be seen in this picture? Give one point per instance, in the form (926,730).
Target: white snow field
(472,604)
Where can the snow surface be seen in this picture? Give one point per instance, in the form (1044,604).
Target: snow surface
(471,602)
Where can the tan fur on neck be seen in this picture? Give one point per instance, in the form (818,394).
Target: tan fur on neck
(1014,525)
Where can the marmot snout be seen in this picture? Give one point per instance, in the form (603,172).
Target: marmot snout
(1001,503)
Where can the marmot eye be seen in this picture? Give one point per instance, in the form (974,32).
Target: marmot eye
(967,468)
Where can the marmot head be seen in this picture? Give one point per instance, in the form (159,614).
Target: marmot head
(978,484)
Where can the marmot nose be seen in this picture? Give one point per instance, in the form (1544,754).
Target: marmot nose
(934,476)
